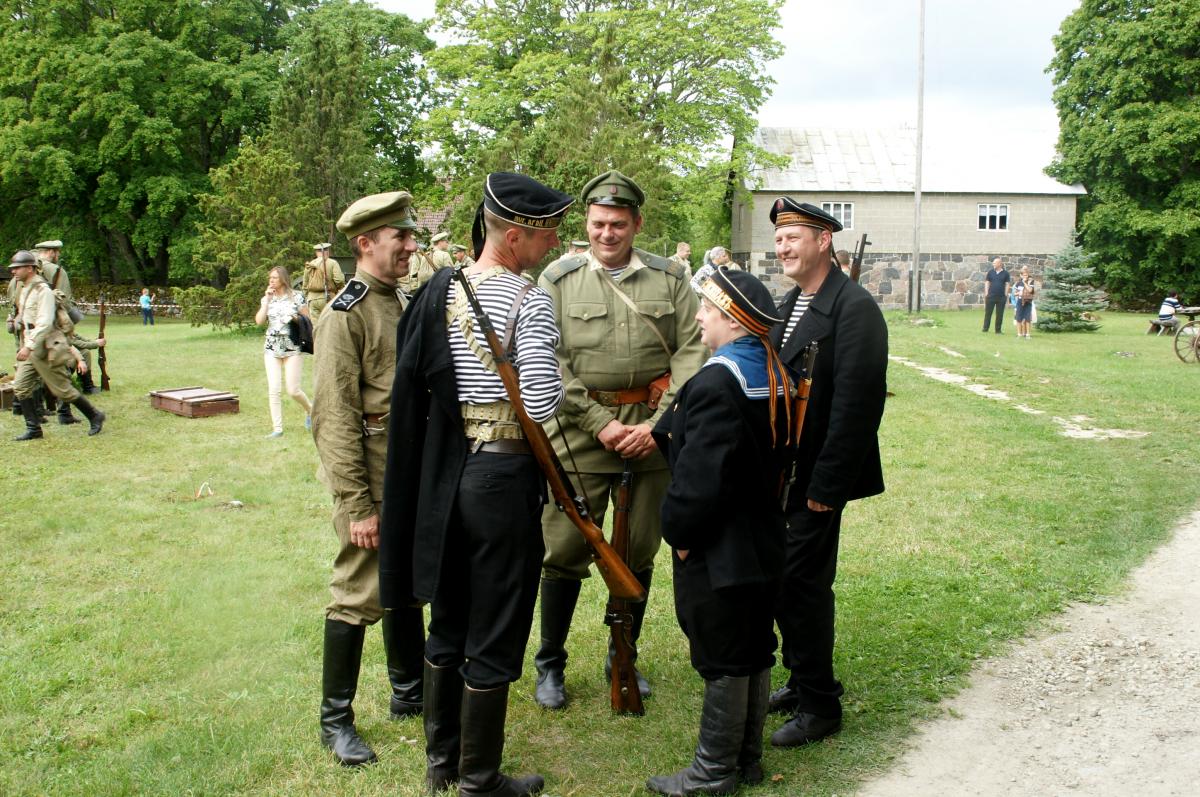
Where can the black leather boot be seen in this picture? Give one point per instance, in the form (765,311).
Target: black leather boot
(784,700)
(95,417)
(404,644)
(65,417)
(722,728)
(88,387)
(483,715)
(33,422)
(749,763)
(558,606)
(339,682)
(443,710)
(43,403)
(638,610)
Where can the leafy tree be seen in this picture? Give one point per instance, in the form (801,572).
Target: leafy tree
(1068,298)
(564,89)
(112,112)
(1126,76)
(352,90)
(254,220)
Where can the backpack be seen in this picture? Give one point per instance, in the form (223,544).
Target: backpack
(66,315)
(314,277)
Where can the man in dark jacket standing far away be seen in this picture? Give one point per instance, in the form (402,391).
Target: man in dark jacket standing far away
(837,460)
(462,509)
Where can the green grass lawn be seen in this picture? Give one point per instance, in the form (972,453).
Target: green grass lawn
(155,643)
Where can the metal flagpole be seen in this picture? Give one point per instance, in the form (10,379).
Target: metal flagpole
(914,269)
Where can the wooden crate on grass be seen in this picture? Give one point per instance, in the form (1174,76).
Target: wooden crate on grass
(6,396)
(194,402)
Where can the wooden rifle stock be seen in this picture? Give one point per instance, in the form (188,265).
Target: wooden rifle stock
(102,356)
(621,582)
(626,698)
(803,388)
(856,262)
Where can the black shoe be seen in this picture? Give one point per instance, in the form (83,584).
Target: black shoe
(557,608)
(404,644)
(483,716)
(443,709)
(805,728)
(339,682)
(33,423)
(86,385)
(64,415)
(784,700)
(94,416)
(714,770)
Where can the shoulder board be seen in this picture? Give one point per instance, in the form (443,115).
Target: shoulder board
(350,295)
(663,264)
(563,266)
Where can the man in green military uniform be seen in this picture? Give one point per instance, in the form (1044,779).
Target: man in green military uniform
(354,366)
(439,252)
(420,270)
(461,258)
(628,322)
(46,352)
(683,251)
(323,278)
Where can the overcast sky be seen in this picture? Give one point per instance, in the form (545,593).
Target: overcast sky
(853,63)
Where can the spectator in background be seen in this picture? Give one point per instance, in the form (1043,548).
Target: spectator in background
(144,301)
(1166,313)
(279,305)
(843,260)
(1024,291)
(998,285)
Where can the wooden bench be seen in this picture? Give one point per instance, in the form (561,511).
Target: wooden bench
(1163,326)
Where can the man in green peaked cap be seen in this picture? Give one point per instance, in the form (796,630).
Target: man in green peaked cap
(629,341)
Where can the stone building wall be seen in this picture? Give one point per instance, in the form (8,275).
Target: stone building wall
(948,281)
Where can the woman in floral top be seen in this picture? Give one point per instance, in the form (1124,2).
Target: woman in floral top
(279,305)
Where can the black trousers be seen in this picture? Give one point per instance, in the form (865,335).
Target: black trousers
(483,610)
(805,609)
(730,631)
(997,303)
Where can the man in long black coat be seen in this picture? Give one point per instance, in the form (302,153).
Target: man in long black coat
(837,459)
(725,437)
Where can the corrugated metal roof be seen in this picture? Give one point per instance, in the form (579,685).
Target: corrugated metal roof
(827,159)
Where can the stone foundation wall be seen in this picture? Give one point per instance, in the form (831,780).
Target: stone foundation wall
(948,281)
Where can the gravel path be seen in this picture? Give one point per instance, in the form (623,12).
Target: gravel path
(1106,705)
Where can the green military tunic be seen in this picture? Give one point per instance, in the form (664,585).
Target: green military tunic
(355,362)
(323,279)
(49,345)
(441,259)
(56,277)
(606,346)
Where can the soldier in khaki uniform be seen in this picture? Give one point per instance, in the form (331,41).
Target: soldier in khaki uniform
(46,351)
(48,268)
(354,366)
(420,270)
(683,251)
(323,278)
(628,319)
(461,258)
(439,252)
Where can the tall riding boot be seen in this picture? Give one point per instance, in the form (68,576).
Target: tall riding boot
(95,417)
(404,644)
(339,682)
(638,610)
(33,423)
(41,402)
(749,763)
(722,728)
(65,417)
(558,606)
(85,381)
(443,714)
(479,775)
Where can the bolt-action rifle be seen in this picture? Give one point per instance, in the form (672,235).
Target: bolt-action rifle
(626,699)
(803,388)
(856,261)
(621,582)
(101,355)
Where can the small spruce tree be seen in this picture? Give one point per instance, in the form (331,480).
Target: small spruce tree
(1067,294)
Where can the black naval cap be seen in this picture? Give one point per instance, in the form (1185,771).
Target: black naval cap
(521,200)
(613,188)
(741,296)
(23,257)
(787,212)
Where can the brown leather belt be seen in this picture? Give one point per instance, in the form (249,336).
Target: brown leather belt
(374,418)
(615,398)
(499,446)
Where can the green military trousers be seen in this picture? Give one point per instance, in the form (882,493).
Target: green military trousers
(567,556)
(49,370)
(354,587)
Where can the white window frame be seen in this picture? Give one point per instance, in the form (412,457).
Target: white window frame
(988,213)
(840,210)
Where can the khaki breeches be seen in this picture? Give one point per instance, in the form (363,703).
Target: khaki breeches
(567,555)
(354,587)
(54,377)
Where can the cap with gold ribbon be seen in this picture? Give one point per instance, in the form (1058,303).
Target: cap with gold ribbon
(787,212)
(520,200)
